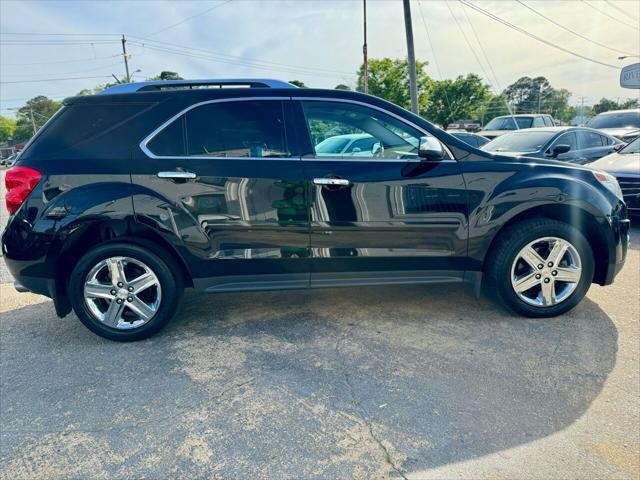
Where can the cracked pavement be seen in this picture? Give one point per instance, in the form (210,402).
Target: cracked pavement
(379,382)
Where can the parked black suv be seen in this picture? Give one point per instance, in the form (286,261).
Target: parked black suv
(125,198)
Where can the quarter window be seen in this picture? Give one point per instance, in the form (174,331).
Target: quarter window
(226,129)
(367,132)
(538,122)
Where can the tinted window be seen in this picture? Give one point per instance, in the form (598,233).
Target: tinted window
(589,140)
(567,139)
(101,129)
(525,142)
(226,129)
(339,121)
(616,120)
(170,141)
(507,123)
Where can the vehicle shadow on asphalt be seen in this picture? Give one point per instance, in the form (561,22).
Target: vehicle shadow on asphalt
(333,383)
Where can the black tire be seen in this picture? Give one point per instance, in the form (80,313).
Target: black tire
(512,241)
(171,285)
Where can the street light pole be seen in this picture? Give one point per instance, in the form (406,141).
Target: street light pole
(411,56)
(364,51)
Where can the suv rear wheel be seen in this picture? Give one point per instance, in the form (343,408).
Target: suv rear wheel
(124,292)
(541,267)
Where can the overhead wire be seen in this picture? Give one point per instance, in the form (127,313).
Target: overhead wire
(535,37)
(571,31)
(610,16)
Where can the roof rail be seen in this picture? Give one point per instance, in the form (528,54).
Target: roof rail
(189,84)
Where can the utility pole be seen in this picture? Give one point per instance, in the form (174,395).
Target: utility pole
(124,55)
(411,57)
(33,122)
(364,51)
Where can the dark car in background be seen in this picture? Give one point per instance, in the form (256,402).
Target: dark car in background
(125,198)
(622,124)
(568,144)
(625,166)
(472,139)
(506,123)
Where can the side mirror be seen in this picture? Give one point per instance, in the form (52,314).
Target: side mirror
(560,149)
(430,148)
(356,150)
(619,146)
(376,148)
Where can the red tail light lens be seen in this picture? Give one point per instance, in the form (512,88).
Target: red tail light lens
(20,181)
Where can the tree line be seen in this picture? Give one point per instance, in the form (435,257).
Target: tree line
(439,101)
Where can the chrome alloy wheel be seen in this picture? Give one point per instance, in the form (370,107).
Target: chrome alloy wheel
(122,292)
(546,271)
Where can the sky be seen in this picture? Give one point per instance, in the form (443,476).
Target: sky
(56,48)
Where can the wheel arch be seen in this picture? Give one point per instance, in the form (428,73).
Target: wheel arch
(575,216)
(92,234)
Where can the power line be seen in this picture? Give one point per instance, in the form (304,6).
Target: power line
(535,37)
(571,31)
(297,71)
(187,19)
(610,16)
(54,79)
(624,12)
(464,35)
(79,60)
(233,57)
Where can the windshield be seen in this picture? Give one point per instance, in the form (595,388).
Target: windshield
(332,145)
(507,123)
(633,147)
(526,142)
(616,120)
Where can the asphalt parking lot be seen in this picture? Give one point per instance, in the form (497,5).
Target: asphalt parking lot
(415,382)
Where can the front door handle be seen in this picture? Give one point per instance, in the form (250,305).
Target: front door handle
(340,182)
(177,175)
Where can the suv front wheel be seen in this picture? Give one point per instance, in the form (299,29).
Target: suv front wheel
(541,267)
(124,292)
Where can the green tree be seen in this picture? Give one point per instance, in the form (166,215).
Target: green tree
(459,99)
(7,128)
(298,83)
(166,75)
(495,107)
(531,95)
(389,79)
(33,115)
(606,104)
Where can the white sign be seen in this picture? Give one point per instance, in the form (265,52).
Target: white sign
(630,76)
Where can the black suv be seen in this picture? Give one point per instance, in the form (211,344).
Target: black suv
(125,198)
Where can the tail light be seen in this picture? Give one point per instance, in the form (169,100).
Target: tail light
(20,182)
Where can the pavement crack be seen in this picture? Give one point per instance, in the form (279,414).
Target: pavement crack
(363,414)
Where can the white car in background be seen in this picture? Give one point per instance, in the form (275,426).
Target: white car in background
(350,145)
(622,124)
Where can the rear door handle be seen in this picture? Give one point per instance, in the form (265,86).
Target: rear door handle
(342,182)
(177,175)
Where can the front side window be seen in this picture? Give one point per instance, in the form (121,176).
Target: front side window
(567,139)
(346,130)
(235,129)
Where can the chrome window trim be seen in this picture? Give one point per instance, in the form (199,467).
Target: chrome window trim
(144,143)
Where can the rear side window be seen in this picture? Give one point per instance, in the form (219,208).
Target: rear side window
(547,121)
(85,126)
(589,140)
(538,122)
(252,128)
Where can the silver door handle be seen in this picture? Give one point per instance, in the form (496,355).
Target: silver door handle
(178,175)
(331,181)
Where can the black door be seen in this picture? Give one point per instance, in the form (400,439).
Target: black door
(379,215)
(223,185)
